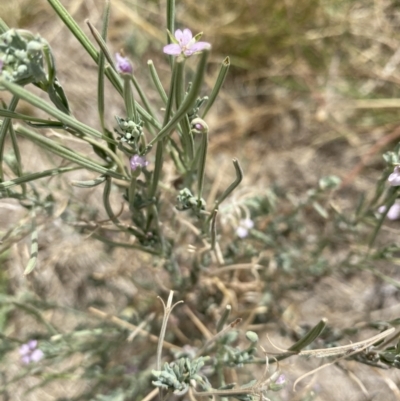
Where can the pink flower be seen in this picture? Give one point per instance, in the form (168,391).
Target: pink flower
(278,384)
(394,211)
(138,161)
(30,353)
(244,226)
(124,66)
(185,44)
(394,178)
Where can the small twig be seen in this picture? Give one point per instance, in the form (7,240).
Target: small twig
(151,395)
(130,326)
(167,311)
(242,266)
(197,322)
(218,336)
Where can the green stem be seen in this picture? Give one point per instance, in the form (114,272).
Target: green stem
(187,103)
(218,84)
(157,82)
(66,153)
(5,126)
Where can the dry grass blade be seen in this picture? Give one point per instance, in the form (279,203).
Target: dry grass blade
(345,351)
(349,349)
(130,326)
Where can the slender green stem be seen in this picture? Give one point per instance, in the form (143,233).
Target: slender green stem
(224,318)
(39,103)
(170,24)
(34,247)
(187,103)
(17,157)
(100,76)
(89,183)
(170,16)
(202,164)
(232,187)
(74,28)
(218,84)
(129,100)
(142,96)
(101,38)
(3,26)
(186,136)
(160,144)
(157,82)
(66,153)
(3,132)
(213,230)
(113,156)
(19,116)
(110,213)
(179,82)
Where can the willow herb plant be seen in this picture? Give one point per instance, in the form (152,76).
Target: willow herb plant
(131,158)
(140,134)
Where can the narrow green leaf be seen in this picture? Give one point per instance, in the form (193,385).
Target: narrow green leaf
(5,126)
(157,82)
(66,153)
(306,340)
(36,176)
(3,26)
(34,251)
(223,72)
(231,188)
(59,115)
(89,183)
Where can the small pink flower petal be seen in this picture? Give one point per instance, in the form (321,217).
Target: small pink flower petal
(37,355)
(242,232)
(138,161)
(186,37)
(248,223)
(197,47)
(382,209)
(179,35)
(172,49)
(24,349)
(123,65)
(26,359)
(394,178)
(394,211)
(32,344)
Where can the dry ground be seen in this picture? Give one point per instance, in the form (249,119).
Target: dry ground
(288,112)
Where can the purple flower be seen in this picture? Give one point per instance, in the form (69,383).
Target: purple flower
(394,178)
(138,161)
(244,226)
(185,44)
(394,211)
(278,384)
(1,65)
(124,66)
(280,380)
(30,353)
